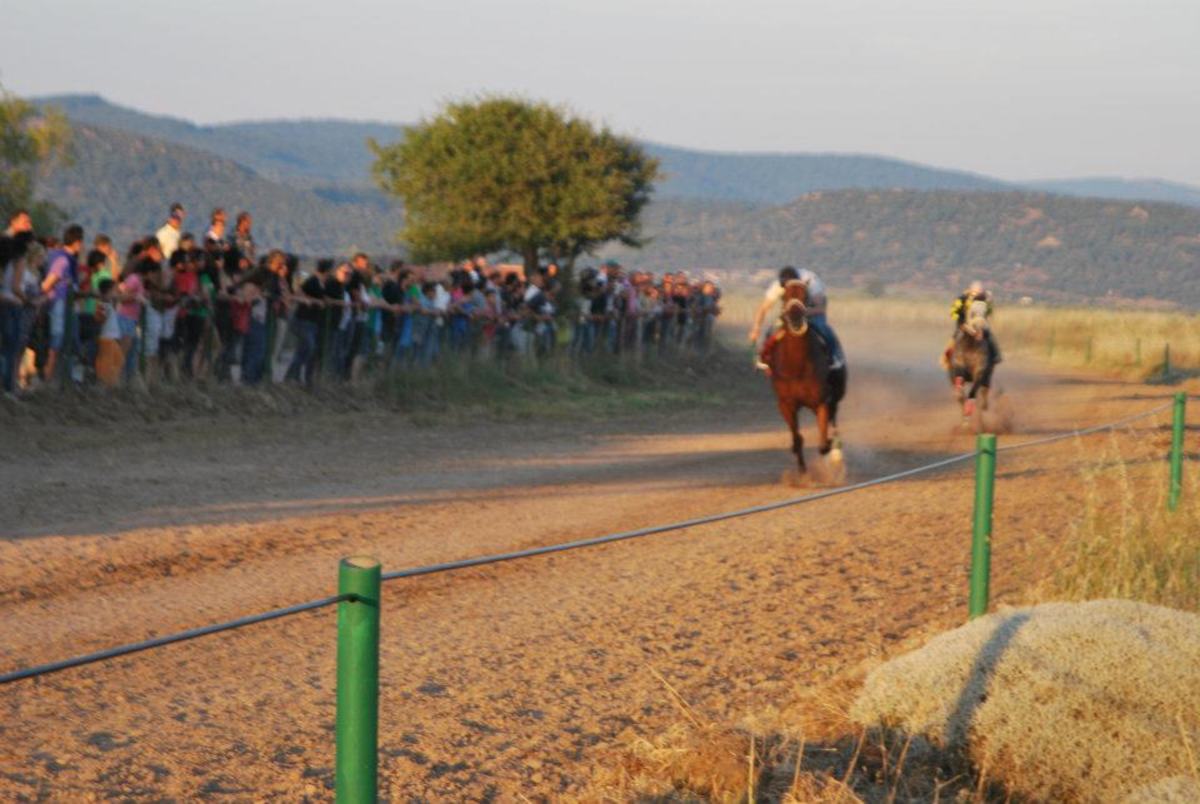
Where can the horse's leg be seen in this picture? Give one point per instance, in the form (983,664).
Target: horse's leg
(823,429)
(790,411)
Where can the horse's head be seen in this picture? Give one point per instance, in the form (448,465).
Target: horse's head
(975,321)
(795,307)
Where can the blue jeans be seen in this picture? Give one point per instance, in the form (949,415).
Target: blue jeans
(129,329)
(826,332)
(343,343)
(305,359)
(254,353)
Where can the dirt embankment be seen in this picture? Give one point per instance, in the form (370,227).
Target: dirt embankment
(507,681)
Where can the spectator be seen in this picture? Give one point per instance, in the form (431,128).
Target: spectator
(14,244)
(243,249)
(254,351)
(310,315)
(109,355)
(168,234)
(91,274)
(337,296)
(131,299)
(103,244)
(62,276)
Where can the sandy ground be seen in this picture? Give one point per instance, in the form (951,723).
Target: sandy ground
(506,682)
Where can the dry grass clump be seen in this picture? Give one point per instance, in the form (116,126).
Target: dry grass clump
(768,758)
(1127,544)
(1062,701)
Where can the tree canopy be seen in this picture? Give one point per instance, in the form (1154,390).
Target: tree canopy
(29,140)
(507,174)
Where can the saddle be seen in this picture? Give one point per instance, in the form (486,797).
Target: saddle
(767,353)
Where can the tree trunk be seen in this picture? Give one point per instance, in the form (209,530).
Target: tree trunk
(531,261)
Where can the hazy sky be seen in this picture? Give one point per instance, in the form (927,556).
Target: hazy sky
(1018,89)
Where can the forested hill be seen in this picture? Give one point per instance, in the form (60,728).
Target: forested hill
(779,178)
(333,152)
(122,184)
(1043,245)
(305,152)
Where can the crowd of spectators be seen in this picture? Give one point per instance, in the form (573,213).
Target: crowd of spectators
(177,308)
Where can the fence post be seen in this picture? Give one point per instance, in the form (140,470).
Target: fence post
(357,731)
(1177,451)
(981,538)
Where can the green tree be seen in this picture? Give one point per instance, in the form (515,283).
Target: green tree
(31,140)
(507,174)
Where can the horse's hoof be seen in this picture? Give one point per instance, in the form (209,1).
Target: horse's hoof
(825,449)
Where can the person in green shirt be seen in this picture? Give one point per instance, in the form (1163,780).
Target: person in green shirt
(95,271)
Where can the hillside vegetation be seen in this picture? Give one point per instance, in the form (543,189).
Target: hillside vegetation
(1046,246)
(122,184)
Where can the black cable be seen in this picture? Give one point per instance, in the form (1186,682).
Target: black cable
(156,642)
(429,569)
(687,523)
(1086,431)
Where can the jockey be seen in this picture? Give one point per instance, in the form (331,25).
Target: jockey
(817,304)
(958,311)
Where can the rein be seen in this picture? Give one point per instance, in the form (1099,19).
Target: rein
(787,323)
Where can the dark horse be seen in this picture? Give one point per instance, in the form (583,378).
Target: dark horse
(799,363)
(971,360)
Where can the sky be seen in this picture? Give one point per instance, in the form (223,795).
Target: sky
(1020,89)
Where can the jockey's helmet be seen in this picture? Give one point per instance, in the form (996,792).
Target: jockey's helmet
(787,274)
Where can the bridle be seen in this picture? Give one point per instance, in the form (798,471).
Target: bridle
(790,305)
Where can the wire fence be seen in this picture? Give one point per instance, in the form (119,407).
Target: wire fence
(496,558)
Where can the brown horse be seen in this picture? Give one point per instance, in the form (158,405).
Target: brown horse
(970,360)
(800,373)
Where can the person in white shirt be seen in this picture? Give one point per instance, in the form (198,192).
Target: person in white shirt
(168,234)
(817,305)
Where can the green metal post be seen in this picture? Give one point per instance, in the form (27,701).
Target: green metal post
(356,774)
(1177,451)
(981,540)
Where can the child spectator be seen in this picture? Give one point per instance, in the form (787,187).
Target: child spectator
(110,357)
(94,271)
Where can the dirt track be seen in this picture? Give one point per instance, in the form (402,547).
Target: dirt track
(507,681)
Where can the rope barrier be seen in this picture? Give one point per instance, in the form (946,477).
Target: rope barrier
(1088,430)
(496,558)
(687,523)
(157,642)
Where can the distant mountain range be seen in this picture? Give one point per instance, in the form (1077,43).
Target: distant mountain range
(857,217)
(1124,189)
(331,153)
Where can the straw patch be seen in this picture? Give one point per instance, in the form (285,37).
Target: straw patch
(1078,701)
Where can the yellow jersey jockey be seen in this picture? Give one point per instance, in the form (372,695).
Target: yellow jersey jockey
(958,312)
